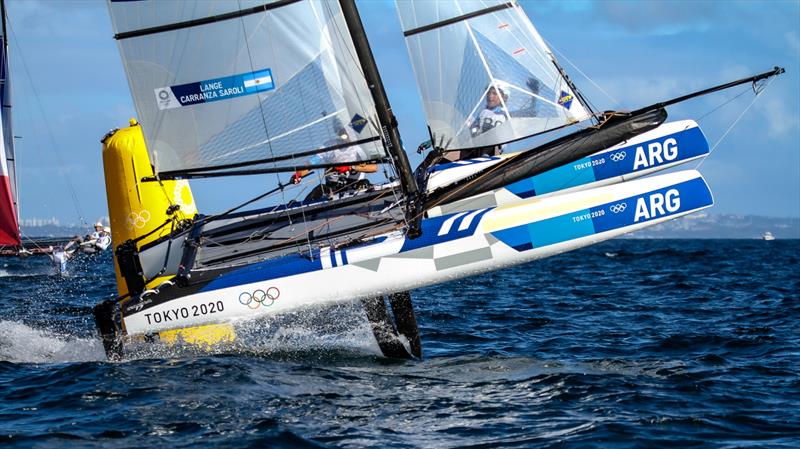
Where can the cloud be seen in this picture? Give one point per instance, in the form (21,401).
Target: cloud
(793,40)
(780,119)
(659,17)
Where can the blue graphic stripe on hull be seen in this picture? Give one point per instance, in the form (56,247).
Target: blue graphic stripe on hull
(664,150)
(683,197)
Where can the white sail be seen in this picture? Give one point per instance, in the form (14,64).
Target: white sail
(256,84)
(463,51)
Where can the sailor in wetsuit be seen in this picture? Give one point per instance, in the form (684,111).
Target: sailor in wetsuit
(339,178)
(494,114)
(491,116)
(97,241)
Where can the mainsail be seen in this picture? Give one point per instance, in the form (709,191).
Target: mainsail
(9,212)
(245,87)
(463,51)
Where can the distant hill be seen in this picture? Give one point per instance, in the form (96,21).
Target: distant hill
(51,230)
(722,226)
(695,226)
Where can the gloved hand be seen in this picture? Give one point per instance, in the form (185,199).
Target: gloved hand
(342,169)
(296,178)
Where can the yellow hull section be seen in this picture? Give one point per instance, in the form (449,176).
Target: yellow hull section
(141,209)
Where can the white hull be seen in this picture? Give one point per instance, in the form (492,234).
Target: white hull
(451,247)
(667,146)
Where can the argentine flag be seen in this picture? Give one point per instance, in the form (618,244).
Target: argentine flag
(258,81)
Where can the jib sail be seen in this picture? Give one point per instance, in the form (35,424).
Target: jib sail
(485,75)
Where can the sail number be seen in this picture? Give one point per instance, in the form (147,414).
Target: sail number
(656,153)
(657,204)
(184,312)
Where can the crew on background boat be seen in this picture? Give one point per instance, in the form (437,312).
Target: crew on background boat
(339,178)
(97,241)
(98,229)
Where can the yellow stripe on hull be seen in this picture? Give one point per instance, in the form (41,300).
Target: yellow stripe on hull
(204,336)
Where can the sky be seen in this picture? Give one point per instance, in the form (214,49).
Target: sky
(70,90)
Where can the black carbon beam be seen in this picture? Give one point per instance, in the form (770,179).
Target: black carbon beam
(384,329)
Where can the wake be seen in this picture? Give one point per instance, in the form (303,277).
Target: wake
(20,343)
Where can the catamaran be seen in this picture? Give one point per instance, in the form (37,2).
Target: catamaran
(267,89)
(11,242)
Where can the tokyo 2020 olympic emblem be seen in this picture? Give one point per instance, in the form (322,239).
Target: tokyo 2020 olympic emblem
(618,208)
(137,219)
(260,298)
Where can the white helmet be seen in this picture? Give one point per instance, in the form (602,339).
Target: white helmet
(503,87)
(98,224)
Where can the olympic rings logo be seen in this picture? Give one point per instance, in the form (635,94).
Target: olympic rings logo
(618,156)
(137,219)
(260,297)
(619,207)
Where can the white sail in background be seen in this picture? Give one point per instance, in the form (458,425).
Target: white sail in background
(255,84)
(463,51)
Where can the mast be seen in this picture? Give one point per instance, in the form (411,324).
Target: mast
(386,117)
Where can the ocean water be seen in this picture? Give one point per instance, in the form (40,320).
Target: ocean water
(631,343)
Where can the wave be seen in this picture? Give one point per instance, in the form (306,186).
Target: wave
(20,343)
(39,272)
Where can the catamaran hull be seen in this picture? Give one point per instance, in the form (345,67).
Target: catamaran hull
(451,247)
(667,146)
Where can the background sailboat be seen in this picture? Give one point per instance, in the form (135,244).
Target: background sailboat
(9,209)
(13,242)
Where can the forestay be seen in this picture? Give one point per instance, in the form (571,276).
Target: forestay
(247,86)
(463,52)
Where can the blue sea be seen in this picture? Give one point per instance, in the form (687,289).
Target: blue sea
(627,344)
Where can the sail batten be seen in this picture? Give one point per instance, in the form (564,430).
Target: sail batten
(457,19)
(485,75)
(203,20)
(242,84)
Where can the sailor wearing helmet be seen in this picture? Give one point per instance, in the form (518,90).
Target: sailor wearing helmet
(495,113)
(341,177)
(98,229)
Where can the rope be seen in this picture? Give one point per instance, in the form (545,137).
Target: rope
(758,92)
(75,202)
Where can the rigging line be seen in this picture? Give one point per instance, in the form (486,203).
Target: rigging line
(730,128)
(381,129)
(722,105)
(597,86)
(248,202)
(47,127)
(30,240)
(345,39)
(177,56)
(252,69)
(261,104)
